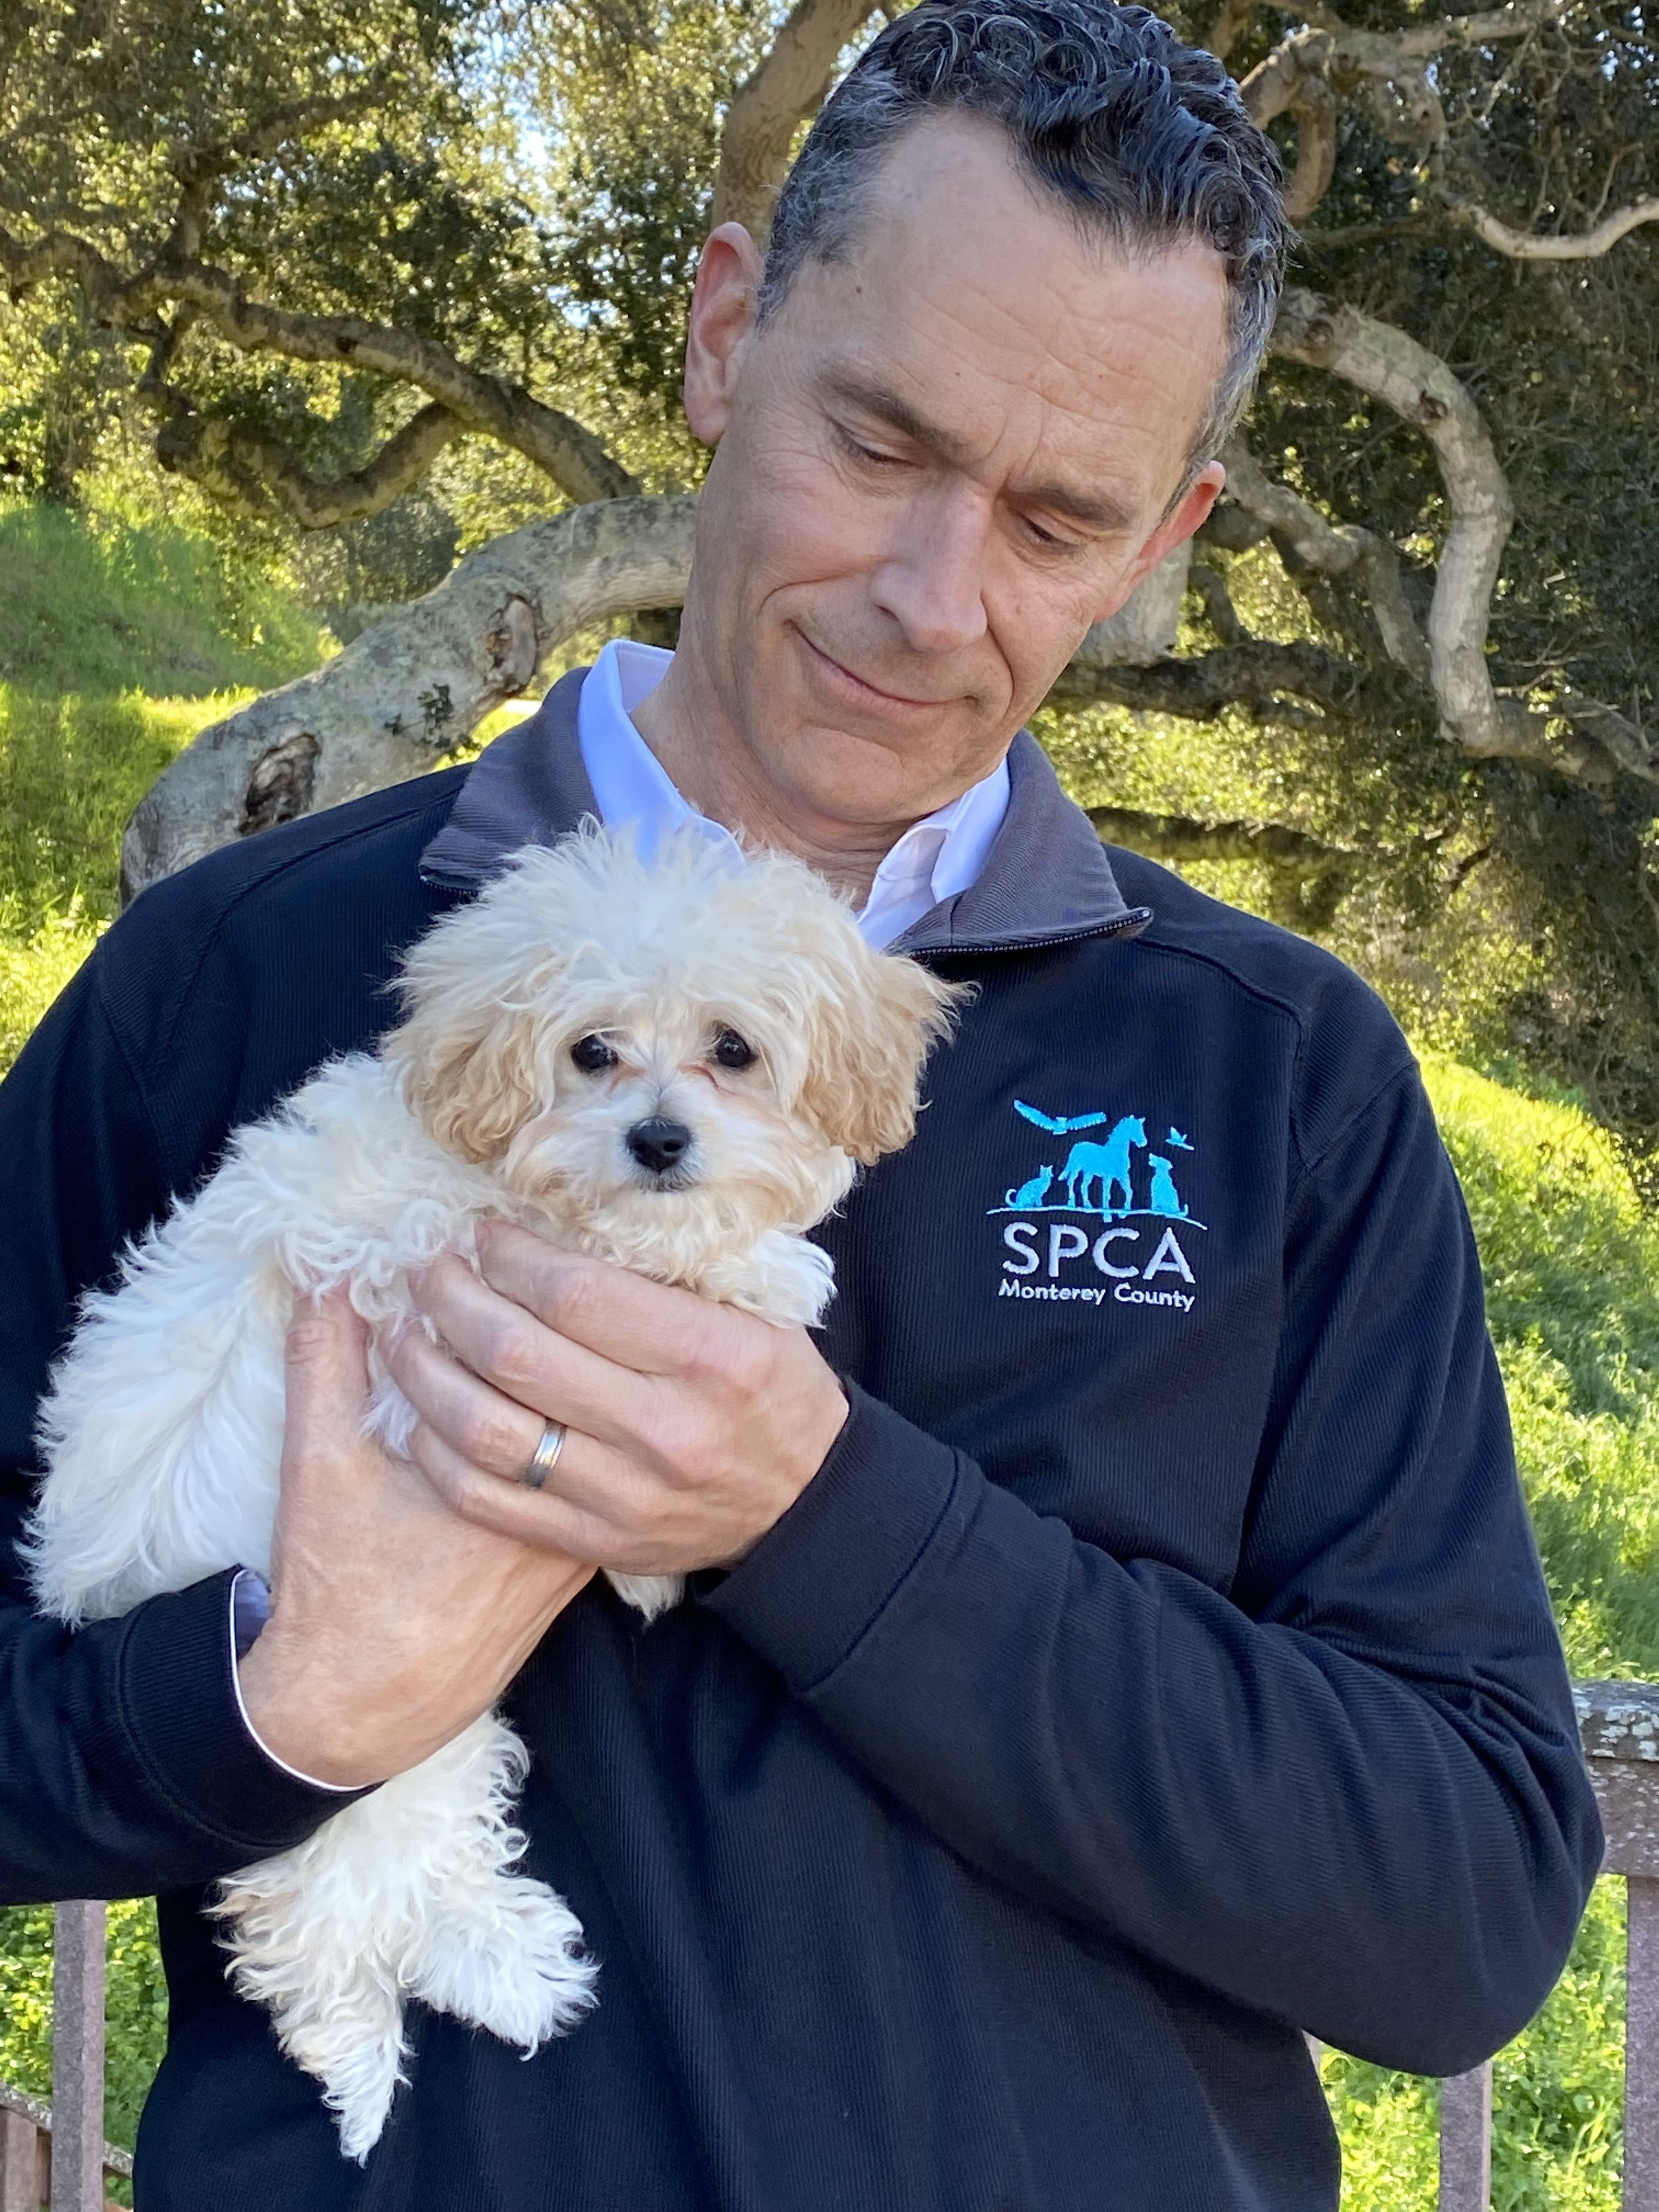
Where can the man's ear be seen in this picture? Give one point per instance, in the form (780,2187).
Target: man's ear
(1189,515)
(722,321)
(867,1053)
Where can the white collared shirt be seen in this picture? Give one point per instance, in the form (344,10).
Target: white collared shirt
(932,860)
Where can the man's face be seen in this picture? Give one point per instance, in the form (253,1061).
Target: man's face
(945,457)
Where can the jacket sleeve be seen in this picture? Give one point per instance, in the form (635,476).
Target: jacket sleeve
(1348,1793)
(124,1766)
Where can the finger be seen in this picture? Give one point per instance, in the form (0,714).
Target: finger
(480,1423)
(654,1329)
(528,1517)
(507,1346)
(325,1374)
(460,1413)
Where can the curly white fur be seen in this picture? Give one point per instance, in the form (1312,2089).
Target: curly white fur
(163,1428)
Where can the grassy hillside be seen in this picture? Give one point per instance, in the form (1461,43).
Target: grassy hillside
(117,644)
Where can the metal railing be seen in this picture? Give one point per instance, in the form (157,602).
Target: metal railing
(57,2155)
(1619,1724)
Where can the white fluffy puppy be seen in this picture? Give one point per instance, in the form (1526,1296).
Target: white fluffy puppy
(675,1067)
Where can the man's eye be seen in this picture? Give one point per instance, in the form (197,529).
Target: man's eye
(732,1051)
(870,456)
(1045,540)
(592,1055)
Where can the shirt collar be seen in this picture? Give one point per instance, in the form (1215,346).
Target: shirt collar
(630,784)
(1046,879)
(935,859)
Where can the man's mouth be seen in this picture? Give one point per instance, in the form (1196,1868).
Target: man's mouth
(861,689)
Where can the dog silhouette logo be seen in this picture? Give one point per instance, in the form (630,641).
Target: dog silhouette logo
(1164,1198)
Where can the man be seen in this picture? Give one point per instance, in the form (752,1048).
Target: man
(1116,1645)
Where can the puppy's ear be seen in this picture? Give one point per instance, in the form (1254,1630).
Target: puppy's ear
(465,1052)
(868,1050)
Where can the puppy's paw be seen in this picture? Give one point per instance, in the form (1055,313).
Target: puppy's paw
(513,1964)
(651,1594)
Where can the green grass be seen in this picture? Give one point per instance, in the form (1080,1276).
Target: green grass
(107,605)
(117,643)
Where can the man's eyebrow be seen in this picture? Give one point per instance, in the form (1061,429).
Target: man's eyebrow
(882,402)
(1088,510)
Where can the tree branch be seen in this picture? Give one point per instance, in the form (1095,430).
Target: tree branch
(1297,77)
(415,685)
(1178,837)
(556,442)
(771,104)
(237,465)
(1421,390)
(1378,53)
(198,167)
(1333,550)
(1257,674)
(1211,588)
(1293,80)
(1308,879)
(1585,245)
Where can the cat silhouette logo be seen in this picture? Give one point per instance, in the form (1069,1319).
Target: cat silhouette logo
(1117,1180)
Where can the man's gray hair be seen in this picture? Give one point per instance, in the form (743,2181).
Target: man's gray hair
(1140,136)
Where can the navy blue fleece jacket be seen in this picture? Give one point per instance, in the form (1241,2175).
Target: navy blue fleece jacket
(1158,1666)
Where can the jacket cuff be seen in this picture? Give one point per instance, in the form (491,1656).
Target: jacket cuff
(821,1576)
(180,1710)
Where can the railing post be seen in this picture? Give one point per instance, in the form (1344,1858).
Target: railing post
(1642,2046)
(22,2166)
(77,2059)
(1618,1722)
(1466,2141)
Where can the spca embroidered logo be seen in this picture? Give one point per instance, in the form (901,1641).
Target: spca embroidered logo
(1119,1182)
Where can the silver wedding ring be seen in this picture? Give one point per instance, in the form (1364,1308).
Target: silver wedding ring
(545,1457)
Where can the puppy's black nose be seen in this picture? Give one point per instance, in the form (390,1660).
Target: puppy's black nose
(659,1145)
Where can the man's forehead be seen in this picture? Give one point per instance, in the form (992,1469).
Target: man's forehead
(965,297)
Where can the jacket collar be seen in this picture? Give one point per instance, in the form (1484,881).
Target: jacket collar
(1046,877)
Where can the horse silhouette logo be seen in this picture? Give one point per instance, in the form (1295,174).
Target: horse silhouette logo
(1107,1166)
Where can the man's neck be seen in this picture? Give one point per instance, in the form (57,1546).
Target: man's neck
(685,724)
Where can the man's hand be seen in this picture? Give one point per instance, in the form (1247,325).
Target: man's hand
(692,1427)
(395,1623)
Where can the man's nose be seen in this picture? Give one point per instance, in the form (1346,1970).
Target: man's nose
(932,581)
(658,1144)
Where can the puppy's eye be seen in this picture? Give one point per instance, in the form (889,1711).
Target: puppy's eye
(732,1051)
(592,1055)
